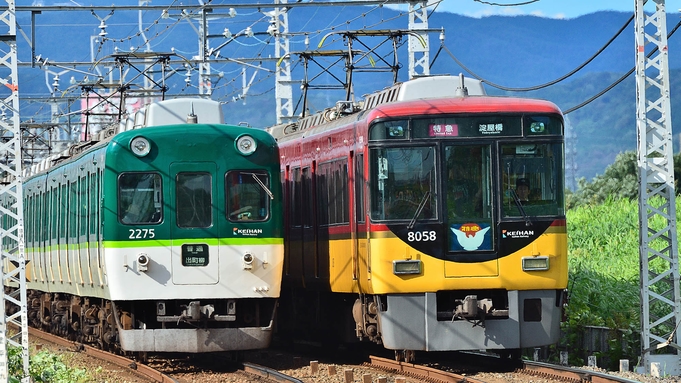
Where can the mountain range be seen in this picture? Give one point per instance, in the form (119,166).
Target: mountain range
(511,51)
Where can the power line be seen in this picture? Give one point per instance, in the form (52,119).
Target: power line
(506,5)
(536,87)
(604,91)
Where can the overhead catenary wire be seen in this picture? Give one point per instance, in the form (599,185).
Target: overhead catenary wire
(536,87)
(506,5)
(599,94)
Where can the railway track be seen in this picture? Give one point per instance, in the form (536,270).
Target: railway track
(415,371)
(270,374)
(144,372)
(147,373)
(420,372)
(538,369)
(570,374)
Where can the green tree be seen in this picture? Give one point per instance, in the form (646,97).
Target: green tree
(620,180)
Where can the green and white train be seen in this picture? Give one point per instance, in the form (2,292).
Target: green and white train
(165,236)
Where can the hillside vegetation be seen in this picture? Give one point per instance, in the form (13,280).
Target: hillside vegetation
(603,248)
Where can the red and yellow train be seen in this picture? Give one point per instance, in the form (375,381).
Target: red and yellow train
(408,221)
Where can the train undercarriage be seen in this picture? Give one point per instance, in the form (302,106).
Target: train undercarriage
(165,326)
(474,307)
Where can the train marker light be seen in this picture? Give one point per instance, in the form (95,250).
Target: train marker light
(245,144)
(407,267)
(248,261)
(535,263)
(140,146)
(142,262)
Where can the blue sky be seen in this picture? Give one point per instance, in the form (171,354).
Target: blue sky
(546,8)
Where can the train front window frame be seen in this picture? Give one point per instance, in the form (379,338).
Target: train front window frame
(539,167)
(398,191)
(468,168)
(140,199)
(248,195)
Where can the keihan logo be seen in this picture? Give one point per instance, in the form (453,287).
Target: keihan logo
(517,234)
(246,232)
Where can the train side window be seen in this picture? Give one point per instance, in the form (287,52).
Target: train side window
(332,192)
(248,195)
(194,200)
(139,198)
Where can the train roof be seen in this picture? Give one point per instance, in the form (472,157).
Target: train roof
(177,111)
(463,105)
(420,96)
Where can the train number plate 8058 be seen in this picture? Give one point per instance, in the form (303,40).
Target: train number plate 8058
(194,254)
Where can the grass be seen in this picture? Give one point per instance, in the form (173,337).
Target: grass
(604,268)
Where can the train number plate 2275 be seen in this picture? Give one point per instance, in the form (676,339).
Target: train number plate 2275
(194,254)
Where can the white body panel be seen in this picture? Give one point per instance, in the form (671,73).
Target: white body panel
(127,282)
(122,279)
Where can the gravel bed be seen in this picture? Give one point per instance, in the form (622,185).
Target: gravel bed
(287,363)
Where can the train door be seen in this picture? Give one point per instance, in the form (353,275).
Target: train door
(93,214)
(59,263)
(53,250)
(469,210)
(295,226)
(98,226)
(194,226)
(310,255)
(71,236)
(83,219)
(360,260)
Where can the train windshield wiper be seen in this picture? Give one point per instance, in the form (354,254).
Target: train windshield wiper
(520,207)
(262,185)
(419,209)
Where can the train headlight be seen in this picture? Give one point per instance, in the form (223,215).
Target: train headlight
(140,146)
(246,144)
(535,263)
(407,267)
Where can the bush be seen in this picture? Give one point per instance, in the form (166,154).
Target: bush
(44,367)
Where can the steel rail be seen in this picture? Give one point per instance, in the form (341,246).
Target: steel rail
(421,372)
(571,373)
(269,373)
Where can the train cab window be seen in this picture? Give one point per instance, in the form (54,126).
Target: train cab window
(532,179)
(403,183)
(468,195)
(248,195)
(139,198)
(194,200)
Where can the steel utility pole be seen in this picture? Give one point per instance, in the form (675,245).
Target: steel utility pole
(660,295)
(283,90)
(13,309)
(419,48)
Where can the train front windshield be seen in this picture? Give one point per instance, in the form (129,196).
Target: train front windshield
(467,172)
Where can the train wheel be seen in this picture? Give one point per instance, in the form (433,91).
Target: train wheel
(399,355)
(409,356)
